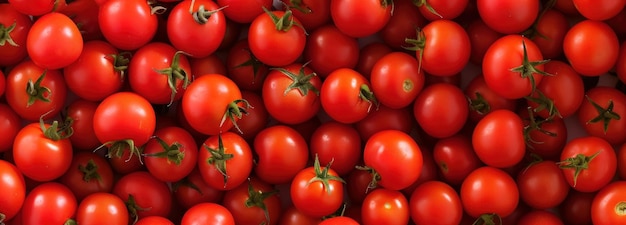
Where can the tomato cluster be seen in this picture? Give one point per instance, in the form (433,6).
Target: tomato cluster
(312,112)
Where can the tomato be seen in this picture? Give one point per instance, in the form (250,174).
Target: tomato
(291,94)
(542,185)
(576,209)
(127,25)
(102,208)
(550,93)
(208,213)
(14,190)
(601,10)
(98,71)
(281,153)
(10,124)
(500,129)
(80,112)
(369,54)
(546,138)
(54,41)
(484,100)
(441,110)
(225,161)
(49,203)
(384,206)
(437,9)
(122,122)
(357,18)
(601,42)
(455,158)
(385,118)
(435,202)
(253,202)
(317,191)
(188,24)
(328,49)
(224,97)
(276,38)
(16,26)
(154,220)
(330,136)
(599,114)
(346,96)
(396,80)
(540,217)
(85,13)
(33,8)
(394,158)
(144,195)
(34,92)
(171,155)
(608,203)
(257,117)
(125,163)
(549,32)
(243,11)
(358,185)
(207,65)
(489,190)
(192,190)
(339,220)
(244,68)
(513,66)
(89,173)
(509,16)
(433,46)
(588,163)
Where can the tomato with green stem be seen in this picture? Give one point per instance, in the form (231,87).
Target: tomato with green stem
(357,18)
(437,9)
(330,136)
(196,27)
(253,202)
(14,26)
(89,173)
(102,208)
(317,191)
(550,99)
(346,96)
(588,163)
(483,100)
(244,68)
(608,204)
(548,33)
(225,161)
(257,117)
(171,154)
(405,18)
(276,38)
(311,13)
(397,80)
(281,153)
(80,113)
(192,190)
(600,114)
(143,195)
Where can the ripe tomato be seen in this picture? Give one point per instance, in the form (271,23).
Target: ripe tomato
(346,96)
(208,213)
(171,155)
(600,41)
(330,136)
(369,54)
(542,185)
(406,17)
(102,208)
(224,98)
(500,129)
(49,202)
(546,138)
(576,209)
(127,25)
(144,195)
(81,113)
(549,32)
(245,69)
(293,216)
(10,124)
(442,9)
(14,190)
(588,163)
(345,220)
(85,13)
(16,25)
(556,100)
(433,46)
(484,100)
(243,11)
(396,80)
(599,10)
(441,110)
(225,161)
(358,18)
(600,113)
(481,37)
(509,16)
(34,92)
(54,41)
(317,191)
(188,24)
(276,38)
(98,71)
(435,202)
(89,173)
(281,153)
(455,158)
(608,203)
(394,158)
(257,117)
(33,8)
(207,65)
(384,206)
(489,190)
(328,49)
(253,202)
(291,94)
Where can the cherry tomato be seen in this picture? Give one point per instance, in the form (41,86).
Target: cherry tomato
(396,80)
(89,173)
(346,96)
(188,24)
(14,190)
(127,25)
(143,194)
(588,163)
(208,213)
(281,153)
(253,202)
(441,110)
(276,38)
(328,49)
(329,137)
(607,205)
(455,158)
(600,41)
(102,208)
(508,16)
(171,154)
(54,41)
(433,48)
(49,202)
(599,114)
(291,93)
(357,18)
(384,206)
(542,185)
(317,191)
(16,25)
(489,190)
(225,161)
(435,202)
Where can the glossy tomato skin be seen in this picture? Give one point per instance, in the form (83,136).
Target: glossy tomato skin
(154,220)
(435,202)
(360,18)
(256,119)
(540,217)
(311,13)
(272,46)
(341,96)
(484,100)
(330,136)
(397,80)
(85,13)
(246,206)
(455,158)
(14,186)
(339,220)
(405,18)
(282,152)
(384,206)
(12,54)
(395,156)
(81,112)
(34,8)
(151,196)
(601,10)
(324,59)
(49,202)
(40,157)
(124,115)
(600,169)
(500,129)
(96,73)
(54,41)
(161,164)
(489,190)
(439,37)
(508,17)
(234,153)
(608,128)
(441,110)
(208,213)
(566,101)
(607,204)
(602,43)
(10,124)
(542,185)
(198,39)
(243,11)
(127,25)
(102,208)
(548,146)
(89,173)
(315,197)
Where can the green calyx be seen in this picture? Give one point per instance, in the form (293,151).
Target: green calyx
(133,208)
(202,15)
(528,68)
(36,92)
(90,171)
(535,125)
(604,114)
(300,6)
(417,45)
(544,103)
(120,62)
(256,198)
(367,95)
(285,22)
(480,105)
(375,177)
(55,131)
(175,73)
(253,62)
(219,157)
(424,3)
(171,152)
(300,81)
(5,35)
(235,112)
(488,219)
(117,148)
(321,175)
(579,163)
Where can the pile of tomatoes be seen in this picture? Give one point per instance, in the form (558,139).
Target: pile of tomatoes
(312,112)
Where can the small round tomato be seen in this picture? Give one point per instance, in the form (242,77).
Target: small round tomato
(54,41)
(243,11)
(406,17)
(10,124)
(276,38)
(542,185)
(102,208)
(508,16)
(253,202)
(49,202)
(600,114)
(16,25)
(588,163)
(89,173)
(311,13)
(257,117)
(143,194)
(192,190)
(281,153)
(359,18)
(540,217)
(80,112)
(14,190)
(483,100)
(396,80)
(385,118)
(441,110)
(500,129)
(550,93)
(208,213)
(601,51)
(244,68)
(127,24)
(433,46)
(489,190)
(599,10)
(435,202)
(549,32)
(225,161)
(324,59)
(455,158)
(317,191)
(330,136)
(346,96)
(384,206)
(607,206)
(33,8)
(171,154)
(196,27)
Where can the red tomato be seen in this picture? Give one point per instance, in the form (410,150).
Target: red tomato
(127,24)
(293,216)
(244,68)
(396,80)
(34,92)
(369,54)
(328,49)
(10,124)
(546,138)
(144,195)
(406,17)
(455,158)
(17,26)
(98,72)
(481,37)
(171,154)
(276,38)
(441,110)
(102,208)
(85,13)
(384,206)
(385,118)
(608,203)
(54,41)
(513,66)
(346,96)
(311,13)
(599,10)
(329,137)
(576,209)
(291,94)
(89,173)
(508,16)
(192,190)
(33,8)
(188,24)
(600,41)
(339,220)
(542,185)
(154,220)
(588,163)
(317,191)
(484,100)
(207,65)
(432,48)
(394,157)
(281,153)
(14,190)
(49,203)
(549,32)
(243,11)
(81,113)
(500,129)
(435,202)
(208,213)
(600,113)
(563,101)
(225,161)
(253,202)
(489,190)
(438,9)
(358,18)
(257,117)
